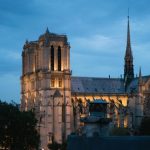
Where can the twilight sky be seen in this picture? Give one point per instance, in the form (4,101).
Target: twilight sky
(96,30)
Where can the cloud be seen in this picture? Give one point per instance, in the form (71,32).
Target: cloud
(95,43)
(10,62)
(10,88)
(87,64)
(13,55)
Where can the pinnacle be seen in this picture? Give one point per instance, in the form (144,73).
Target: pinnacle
(47,30)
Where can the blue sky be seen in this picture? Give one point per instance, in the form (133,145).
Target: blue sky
(96,30)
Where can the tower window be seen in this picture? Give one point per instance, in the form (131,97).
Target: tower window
(52,58)
(52,82)
(32,85)
(59,58)
(24,86)
(60,83)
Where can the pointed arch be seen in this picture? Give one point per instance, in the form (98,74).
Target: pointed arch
(52,58)
(59,58)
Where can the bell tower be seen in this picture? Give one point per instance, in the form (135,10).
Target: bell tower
(46,86)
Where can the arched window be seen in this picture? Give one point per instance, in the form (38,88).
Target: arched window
(60,82)
(52,82)
(59,58)
(52,58)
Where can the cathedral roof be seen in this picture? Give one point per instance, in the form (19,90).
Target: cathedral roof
(47,34)
(97,85)
(133,87)
(92,85)
(52,37)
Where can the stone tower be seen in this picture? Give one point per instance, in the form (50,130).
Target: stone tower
(45,84)
(128,67)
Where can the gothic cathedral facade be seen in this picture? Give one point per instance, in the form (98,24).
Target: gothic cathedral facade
(46,86)
(59,99)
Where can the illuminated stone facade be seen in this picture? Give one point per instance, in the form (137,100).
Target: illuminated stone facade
(59,100)
(46,85)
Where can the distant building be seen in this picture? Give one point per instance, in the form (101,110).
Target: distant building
(60,100)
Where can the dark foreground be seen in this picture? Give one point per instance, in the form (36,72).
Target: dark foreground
(109,143)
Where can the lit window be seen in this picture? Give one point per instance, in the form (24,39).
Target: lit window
(32,84)
(60,83)
(52,82)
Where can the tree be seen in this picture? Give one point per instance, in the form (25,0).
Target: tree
(54,146)
(145,126)
(17,129)
(119,132)
(57,146)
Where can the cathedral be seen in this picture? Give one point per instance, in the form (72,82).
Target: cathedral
(60,100)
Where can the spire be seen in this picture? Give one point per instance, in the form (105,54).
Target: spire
(128,46)
(47,30)
(140,76)
(140,73)
(128,67)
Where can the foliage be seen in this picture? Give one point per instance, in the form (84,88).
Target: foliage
(119,132)
(145,126)
(57,146)
(54,146)
(17,129)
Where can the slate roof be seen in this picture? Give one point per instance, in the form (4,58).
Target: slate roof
(133,86)
(97,85)
(53,36)
(93,85)
(134,83)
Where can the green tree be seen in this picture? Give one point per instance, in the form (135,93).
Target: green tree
(119,132)
(17,129)
(57,146)
(54,146)
(145,126)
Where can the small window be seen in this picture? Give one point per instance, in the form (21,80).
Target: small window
(52,82)
(32,85)
(60,83)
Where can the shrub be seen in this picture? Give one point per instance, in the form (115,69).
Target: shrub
(119,132)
